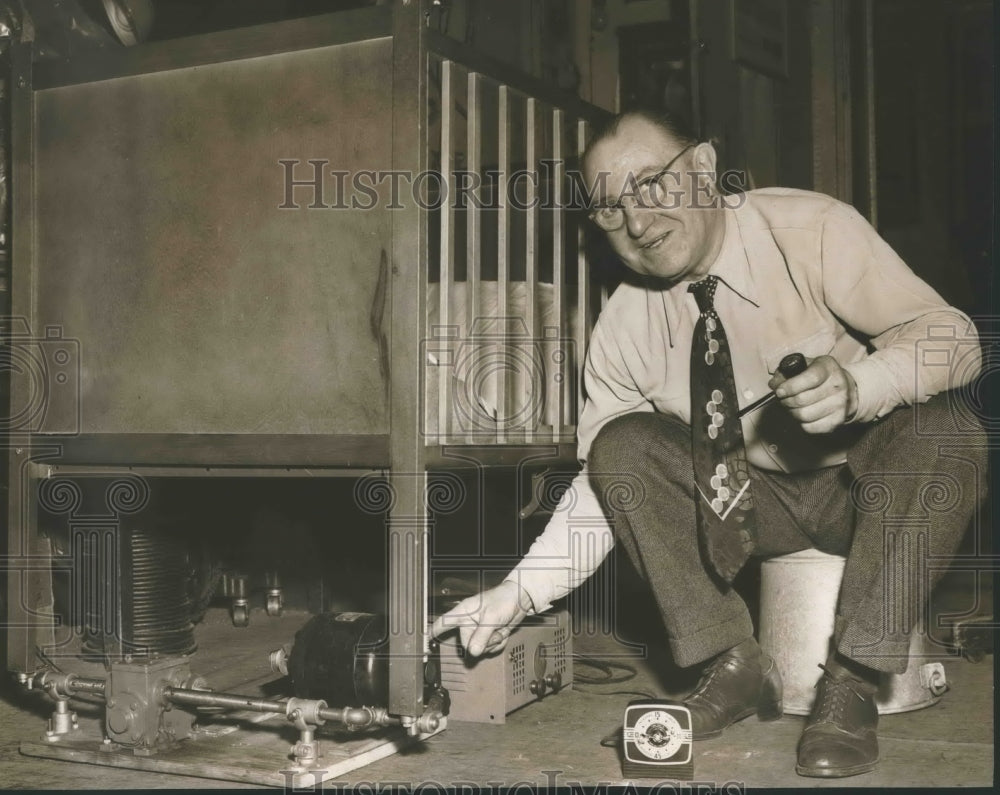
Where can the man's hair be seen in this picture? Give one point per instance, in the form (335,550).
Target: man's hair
(674,126)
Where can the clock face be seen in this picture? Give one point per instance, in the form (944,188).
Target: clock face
(656,736)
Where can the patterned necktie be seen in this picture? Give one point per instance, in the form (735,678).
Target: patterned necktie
(726,524)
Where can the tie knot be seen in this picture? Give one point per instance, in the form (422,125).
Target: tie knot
(704,293)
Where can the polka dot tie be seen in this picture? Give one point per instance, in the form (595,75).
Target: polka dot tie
(722,479)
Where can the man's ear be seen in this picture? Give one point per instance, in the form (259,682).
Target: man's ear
(705,159)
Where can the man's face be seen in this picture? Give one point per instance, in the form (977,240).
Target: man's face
(677,236)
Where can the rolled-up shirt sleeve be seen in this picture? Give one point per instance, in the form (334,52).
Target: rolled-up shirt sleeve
(921,345)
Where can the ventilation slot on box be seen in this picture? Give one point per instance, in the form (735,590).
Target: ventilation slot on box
(559,651)
(517,668)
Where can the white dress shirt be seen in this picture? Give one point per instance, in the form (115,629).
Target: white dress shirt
(799,272)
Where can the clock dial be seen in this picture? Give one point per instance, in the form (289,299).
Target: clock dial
(658,735)
(657,740)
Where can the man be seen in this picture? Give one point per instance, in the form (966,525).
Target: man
(727,287)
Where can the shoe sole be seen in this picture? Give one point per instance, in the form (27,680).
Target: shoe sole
(835,772)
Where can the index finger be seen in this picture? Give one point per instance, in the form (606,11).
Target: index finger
(485,638)
(810,378)
(460,615)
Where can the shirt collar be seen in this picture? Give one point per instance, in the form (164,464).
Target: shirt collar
(732,266)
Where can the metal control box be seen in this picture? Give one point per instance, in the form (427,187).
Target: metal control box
(536,663)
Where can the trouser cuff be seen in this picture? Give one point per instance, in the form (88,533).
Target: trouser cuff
(706,643)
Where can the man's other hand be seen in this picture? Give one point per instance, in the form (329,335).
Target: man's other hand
(822,397)
(486,620)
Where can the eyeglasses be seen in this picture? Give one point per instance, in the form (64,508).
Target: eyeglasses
(647,192)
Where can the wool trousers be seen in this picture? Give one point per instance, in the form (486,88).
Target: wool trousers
(897,510)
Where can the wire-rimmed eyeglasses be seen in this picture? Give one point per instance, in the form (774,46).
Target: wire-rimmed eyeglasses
(647,192)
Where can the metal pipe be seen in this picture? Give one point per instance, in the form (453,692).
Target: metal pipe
(203,698)
(62,684)
(357,717)
(350,716)
(79,685)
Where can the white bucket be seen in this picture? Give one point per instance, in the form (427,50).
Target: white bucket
(798,602)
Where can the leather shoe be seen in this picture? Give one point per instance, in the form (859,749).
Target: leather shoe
(840,736)
(737,683)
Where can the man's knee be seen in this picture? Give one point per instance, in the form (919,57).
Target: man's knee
(946,425)
(640,460)
(623,442)
(935,454)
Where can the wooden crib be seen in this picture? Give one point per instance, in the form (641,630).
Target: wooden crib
(218,278)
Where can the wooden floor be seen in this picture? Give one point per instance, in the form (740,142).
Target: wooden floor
(552,742)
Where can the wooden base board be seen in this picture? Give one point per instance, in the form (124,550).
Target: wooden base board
(253,749)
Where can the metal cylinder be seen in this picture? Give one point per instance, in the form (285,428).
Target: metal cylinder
(797,606)
(342,658)
(141,602)
(160,609)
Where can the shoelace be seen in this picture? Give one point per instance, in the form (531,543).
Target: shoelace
(710,673)
(835,694)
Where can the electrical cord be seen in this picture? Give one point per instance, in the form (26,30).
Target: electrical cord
(613,673)
(606,667)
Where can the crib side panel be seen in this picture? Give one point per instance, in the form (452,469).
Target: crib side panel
(202,260)
(511,299)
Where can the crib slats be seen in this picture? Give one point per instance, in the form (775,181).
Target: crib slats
(447,245)
(474,222)
(473,211)
(556,373)
(583,319)
(531,238)
(507,139)
(503,258)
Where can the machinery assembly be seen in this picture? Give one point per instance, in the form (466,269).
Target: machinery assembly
(218,394)
(159,715)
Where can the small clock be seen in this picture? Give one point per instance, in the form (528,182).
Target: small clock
(657,742)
